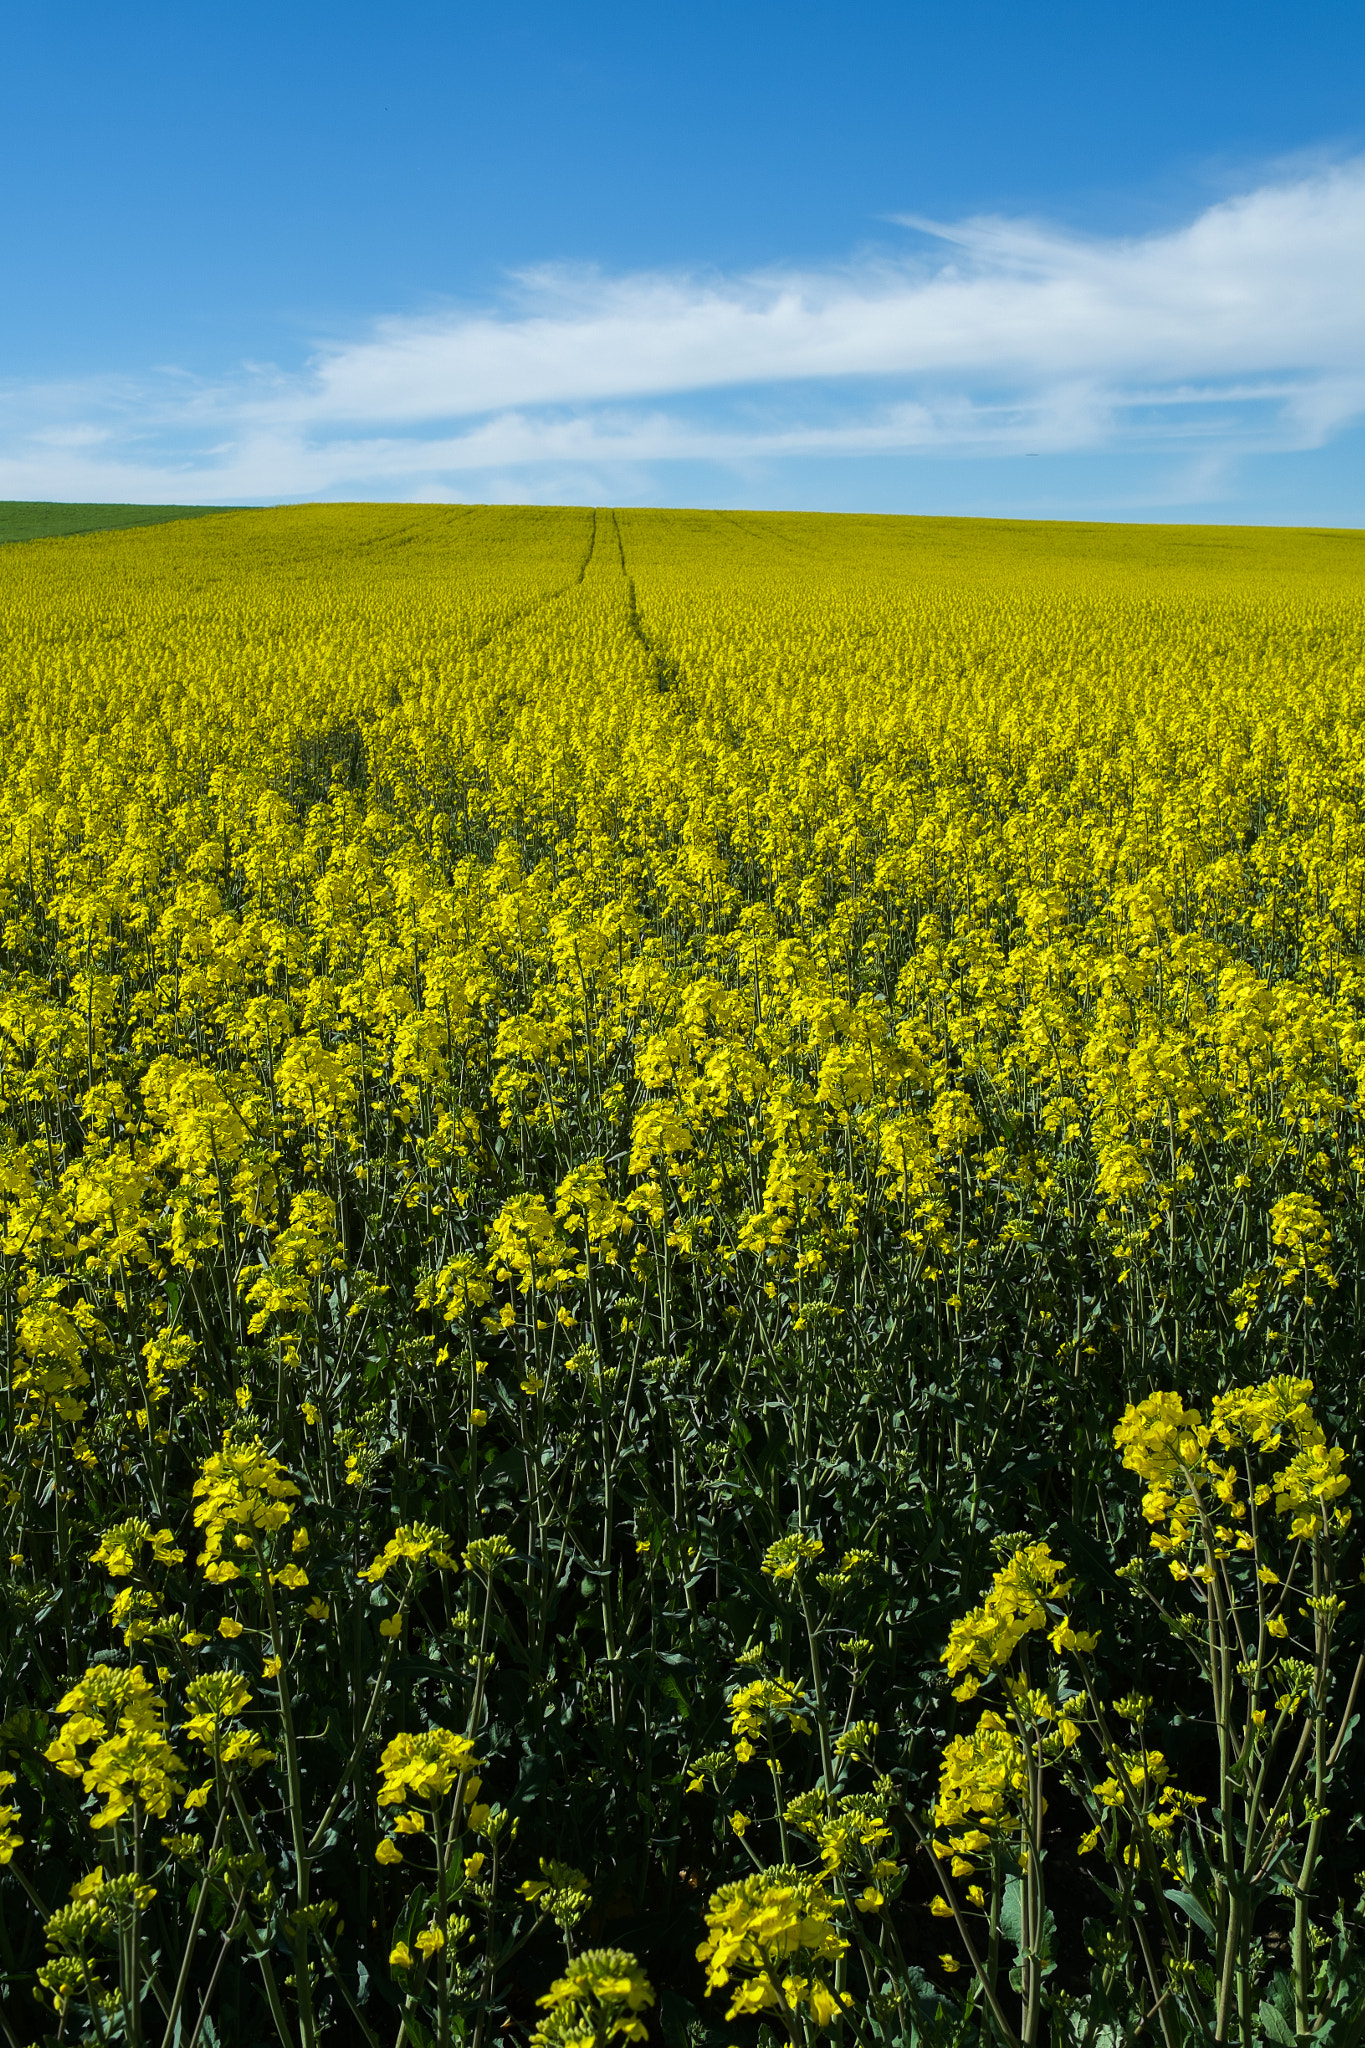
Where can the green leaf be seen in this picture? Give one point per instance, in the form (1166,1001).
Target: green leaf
(670,1685)
(1012,1927)
(1191,1908)
(1275,2026)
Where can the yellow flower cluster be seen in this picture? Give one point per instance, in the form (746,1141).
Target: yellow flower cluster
(115,1714)
(416,1772)
(785,1559)
(600,1998)
(1141,1789)
(100,1906)
(561,1891)
(772,1932)
(421,1769)
(241,1494)
(412,1543)
(218,1697)
(121,1548)
(850,1831)
(981,1781)
(10,1837)
(758,1708)
(1188,1489)
(985,1639)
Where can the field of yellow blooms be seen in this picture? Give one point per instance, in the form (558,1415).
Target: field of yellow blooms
(681,1208)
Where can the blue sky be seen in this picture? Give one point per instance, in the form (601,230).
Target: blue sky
(1102,261)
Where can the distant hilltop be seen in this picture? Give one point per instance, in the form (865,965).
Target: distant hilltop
(39,520)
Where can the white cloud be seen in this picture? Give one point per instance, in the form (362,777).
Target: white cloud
(1244,329)
(1271,281)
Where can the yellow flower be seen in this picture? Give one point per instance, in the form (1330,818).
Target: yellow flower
(414,1544)
(241,1493)
(759,1705)
(116,1715)
(783,1560)
(400,1956)
(487,1554)
(601,1996)
(229,1628)
(10,1838)
(423,1768)
(759,1929)
(217,1698)
(981,1778)
(1065,1637)
(985,1639)
(388,1852)
(121,1547)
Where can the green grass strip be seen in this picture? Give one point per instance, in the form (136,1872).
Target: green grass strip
(39,520)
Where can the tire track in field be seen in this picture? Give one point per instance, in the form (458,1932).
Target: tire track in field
(525,611)
(665,675)
(503,698)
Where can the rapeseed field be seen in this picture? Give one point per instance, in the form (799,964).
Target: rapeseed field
(682,1203)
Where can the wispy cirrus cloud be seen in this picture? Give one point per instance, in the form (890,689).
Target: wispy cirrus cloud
(1243,329)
